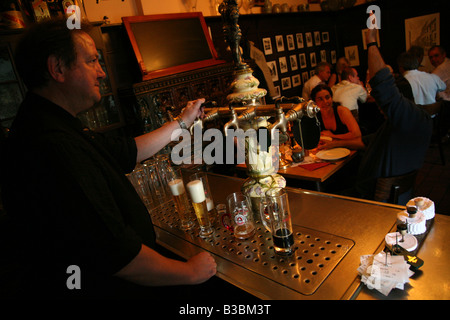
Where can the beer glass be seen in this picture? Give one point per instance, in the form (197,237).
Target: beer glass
(197,193)
(174,180)
(240,215)
(280,220)
(209,200)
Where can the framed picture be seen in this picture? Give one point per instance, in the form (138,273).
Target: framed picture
(299,37)
(286,83)
(317,38)
(294,63)
(305,76)
(309,41)
(323,56)
(351,53)
(312,59)
(280,43)
(267,46)
(40,10)
(302,58)
(277,92)
(325,37)
(296,81)
(283,64)
(312,73)
(333,56)
(273,70)
(290,42)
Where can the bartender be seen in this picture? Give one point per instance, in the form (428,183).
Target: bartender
(76,226)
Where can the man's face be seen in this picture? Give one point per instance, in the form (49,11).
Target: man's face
(83,78)
(325,74)
(436,57)
(354,78)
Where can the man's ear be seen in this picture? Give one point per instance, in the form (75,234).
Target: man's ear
(56,68)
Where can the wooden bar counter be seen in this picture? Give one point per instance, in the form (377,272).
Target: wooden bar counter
(330,233)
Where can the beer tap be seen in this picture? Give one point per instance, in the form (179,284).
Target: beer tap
(233,122)
(281,123)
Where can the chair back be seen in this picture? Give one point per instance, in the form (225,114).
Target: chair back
(390,188)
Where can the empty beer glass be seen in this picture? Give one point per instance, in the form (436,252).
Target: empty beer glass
(280,220)
(174,180)
(240,215)
(197,193)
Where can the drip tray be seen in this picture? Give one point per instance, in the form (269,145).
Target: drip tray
(316,255)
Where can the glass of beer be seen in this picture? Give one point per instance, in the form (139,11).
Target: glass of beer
(197,193)
(240,215)
(280,220)
(209,199)
(176,186)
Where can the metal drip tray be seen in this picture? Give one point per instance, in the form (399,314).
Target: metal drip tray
(316,255)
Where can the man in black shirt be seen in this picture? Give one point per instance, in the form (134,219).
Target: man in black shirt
(65,189)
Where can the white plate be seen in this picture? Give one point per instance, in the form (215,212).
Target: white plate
(326,138)
(333,154)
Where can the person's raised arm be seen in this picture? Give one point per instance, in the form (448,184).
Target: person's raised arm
(375,60)
(150,143)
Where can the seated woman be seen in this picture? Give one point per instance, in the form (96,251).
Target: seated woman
(336,121)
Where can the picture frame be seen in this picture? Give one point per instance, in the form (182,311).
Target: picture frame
(312,59)
(267,46)
(323,56)
(280,43)
(286,83)
(296,80)
(290,42)
(272,65)
(317,41)
(283,64)
(277,92)
(302,59)
(352,55)
(312,73)
(305,76)
(325,37)
(333,56)
(293,61)
(299,38)
(40,10)
(309,40)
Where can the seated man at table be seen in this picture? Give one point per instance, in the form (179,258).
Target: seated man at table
(400,144)
(323,73)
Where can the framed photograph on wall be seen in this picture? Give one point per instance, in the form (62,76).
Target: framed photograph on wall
(280,43)
(296,80)
(277,92)
(333,56)
(312,59)
(309,40)
(293,61)
(317,38)
(283,64)
(305,76)
(267,45)
(290,42)
(299,37)
(325,37)
(323,56)
(302,58)
(273,70)
(286,83)
(40,10)
(351,53)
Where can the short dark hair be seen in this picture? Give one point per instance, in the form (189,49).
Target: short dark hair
(321,66)
(346,73)
(408,61)
(40,41)
(318,88)
(440,48)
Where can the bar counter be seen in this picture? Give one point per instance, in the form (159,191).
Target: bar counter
(330,232)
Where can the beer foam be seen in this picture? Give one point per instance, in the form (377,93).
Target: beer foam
(176,187)
(196,191)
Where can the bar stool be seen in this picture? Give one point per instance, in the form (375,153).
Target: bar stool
(389,189)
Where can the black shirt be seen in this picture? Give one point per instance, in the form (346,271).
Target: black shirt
(69,201)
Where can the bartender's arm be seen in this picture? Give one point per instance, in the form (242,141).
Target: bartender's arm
(150,143)
(149,268)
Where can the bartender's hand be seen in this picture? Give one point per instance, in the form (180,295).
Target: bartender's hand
(203,267)
(192,111)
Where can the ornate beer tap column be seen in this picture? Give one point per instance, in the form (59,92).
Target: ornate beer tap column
(245,91)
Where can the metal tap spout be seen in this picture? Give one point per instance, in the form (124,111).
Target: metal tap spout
(234,122)
(281,123)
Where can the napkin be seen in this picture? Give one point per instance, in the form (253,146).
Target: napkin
(314,166)
(384,272)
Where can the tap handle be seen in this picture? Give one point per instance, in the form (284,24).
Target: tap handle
(282,99)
